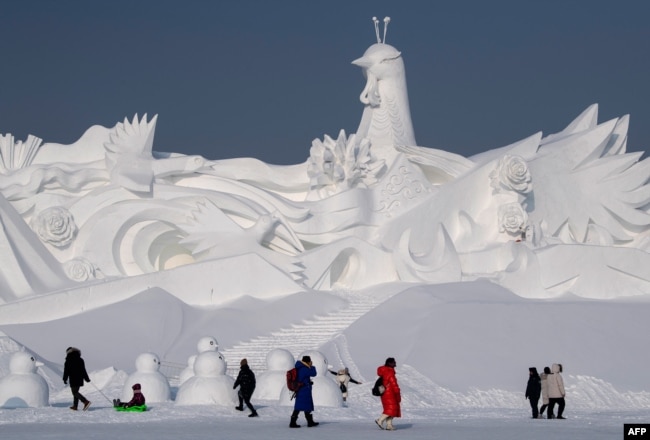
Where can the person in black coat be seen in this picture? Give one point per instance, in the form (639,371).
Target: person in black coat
(533,390)
(75,370)
(246,383)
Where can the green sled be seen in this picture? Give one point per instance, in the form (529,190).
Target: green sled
(136,408)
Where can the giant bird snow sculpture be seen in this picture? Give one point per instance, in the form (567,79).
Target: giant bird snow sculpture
(544,216)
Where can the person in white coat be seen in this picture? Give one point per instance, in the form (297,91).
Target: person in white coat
(343,378)
(556,391)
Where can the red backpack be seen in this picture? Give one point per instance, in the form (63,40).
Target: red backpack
(292,380)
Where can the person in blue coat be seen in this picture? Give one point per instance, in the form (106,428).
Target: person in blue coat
(304,401)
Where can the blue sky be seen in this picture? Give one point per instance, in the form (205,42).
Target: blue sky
(264,78)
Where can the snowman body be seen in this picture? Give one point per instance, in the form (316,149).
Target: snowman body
(271,382)
(325,392)
(155,386)
(210,385)
(23,387)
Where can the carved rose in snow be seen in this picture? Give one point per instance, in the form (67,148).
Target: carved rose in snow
(80,269)
(512,173)
(512,218)
(55,226)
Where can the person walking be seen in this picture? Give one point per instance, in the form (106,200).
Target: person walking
(556,391)
(533,390)
(392,396)
(246,383)
(543,377)
(343,378)
(304,400)
(74,369)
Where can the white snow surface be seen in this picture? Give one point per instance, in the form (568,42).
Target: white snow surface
(463,352)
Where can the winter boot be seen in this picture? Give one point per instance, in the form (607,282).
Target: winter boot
(293,423)
(73,408)
(389,424)
(253,414)
(310,420)
(239,408)
(86,405)
(380,421)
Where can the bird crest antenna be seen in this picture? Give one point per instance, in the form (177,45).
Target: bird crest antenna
(376,21)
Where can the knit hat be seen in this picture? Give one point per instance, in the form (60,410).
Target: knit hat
(306,359)
(243,362)
(71,349)
(136,387)
(533,370)
(390,362)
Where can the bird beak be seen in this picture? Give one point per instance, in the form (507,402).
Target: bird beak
(362,62)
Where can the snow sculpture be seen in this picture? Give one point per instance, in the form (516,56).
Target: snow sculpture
(272,381)
(187,371)
(544,216)
(155,386)
(325,391)
(23,387)
(386,119)
(206,343)
(210,384)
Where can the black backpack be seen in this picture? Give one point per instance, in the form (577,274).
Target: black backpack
(378,389)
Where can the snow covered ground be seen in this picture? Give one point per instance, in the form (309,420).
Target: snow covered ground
(166,421)
(463,351)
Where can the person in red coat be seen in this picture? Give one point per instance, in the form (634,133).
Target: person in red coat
(392,397)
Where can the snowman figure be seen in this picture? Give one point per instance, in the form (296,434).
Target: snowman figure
(271,382)
(325,391)
(210,384)
(23,387)
(155,386)
(206,343)
(188,371)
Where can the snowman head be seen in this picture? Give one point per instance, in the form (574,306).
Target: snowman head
(23,363)
(207,343)
(191,360)
(147,363)
(210,364)
(318,360)
(279,359)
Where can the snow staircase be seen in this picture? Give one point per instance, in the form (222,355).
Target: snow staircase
(308,335)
